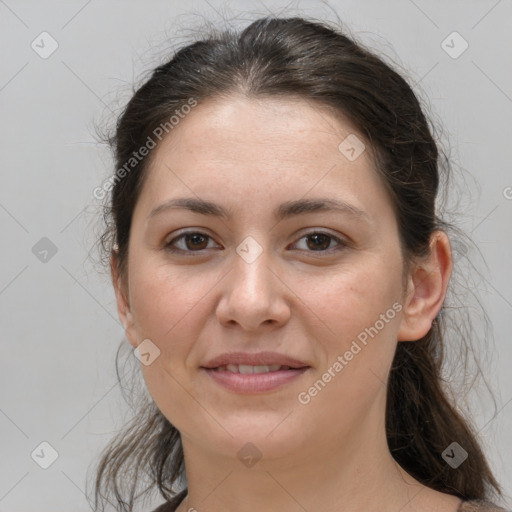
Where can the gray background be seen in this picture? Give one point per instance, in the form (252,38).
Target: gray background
(59,327)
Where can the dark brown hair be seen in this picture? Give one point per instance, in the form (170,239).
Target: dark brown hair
(295,57)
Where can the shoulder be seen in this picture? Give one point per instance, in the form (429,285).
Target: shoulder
(480,506)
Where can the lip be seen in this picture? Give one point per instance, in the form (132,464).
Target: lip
(254,359)
(254,382)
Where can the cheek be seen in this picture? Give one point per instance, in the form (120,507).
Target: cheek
(362,312)
(167,309)
(361,308)
(166,304)
(350,301)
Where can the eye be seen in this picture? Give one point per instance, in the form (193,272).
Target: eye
(191,241)
(320,241)
(197,241)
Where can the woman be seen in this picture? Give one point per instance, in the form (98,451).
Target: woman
(280,270)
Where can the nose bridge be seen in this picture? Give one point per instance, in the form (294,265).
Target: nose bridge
(251,275)
(254,294)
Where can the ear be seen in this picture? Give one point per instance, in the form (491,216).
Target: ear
(426,289)
(123,303)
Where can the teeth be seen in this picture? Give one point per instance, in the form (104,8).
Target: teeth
(246,368)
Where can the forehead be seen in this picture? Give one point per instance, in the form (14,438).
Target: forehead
(250,151)
(281,127)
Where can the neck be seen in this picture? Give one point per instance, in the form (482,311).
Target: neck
(353,472)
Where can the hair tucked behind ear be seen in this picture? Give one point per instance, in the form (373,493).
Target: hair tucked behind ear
(300,58)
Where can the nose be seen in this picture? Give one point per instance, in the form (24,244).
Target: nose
(254,295)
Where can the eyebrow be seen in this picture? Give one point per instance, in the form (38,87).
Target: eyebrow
(285,210)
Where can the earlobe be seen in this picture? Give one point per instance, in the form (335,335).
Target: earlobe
(426,289)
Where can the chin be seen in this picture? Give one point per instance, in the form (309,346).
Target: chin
(267,436)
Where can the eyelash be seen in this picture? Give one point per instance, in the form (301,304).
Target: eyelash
(169,246)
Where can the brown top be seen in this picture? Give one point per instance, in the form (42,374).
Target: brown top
(465,506)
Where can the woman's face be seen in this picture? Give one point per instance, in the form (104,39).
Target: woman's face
(321,286)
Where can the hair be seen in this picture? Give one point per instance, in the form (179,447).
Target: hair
(285,57)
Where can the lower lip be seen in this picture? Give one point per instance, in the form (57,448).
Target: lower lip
(254,382)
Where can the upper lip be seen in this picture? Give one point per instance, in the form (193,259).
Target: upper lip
(254,359)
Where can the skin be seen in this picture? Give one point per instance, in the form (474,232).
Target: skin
(250,156)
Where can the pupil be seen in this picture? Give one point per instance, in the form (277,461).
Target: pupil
(321,236)
(194,237)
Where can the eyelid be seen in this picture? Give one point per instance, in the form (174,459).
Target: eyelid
(341,241)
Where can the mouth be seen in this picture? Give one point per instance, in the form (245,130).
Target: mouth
(251,373)
(253,379)
(247,369)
